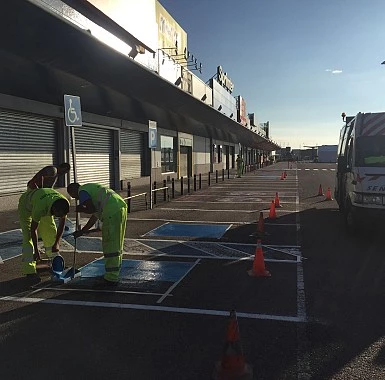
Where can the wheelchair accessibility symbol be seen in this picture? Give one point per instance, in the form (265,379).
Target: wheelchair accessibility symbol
(73,113)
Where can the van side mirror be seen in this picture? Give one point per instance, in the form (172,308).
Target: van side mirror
(342,164)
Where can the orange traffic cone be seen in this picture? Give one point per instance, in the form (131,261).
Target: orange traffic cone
(328,195)
(261,224)
(320,191)
(233,365)
(282,176)
(276,201)
(259,269)
(272,214)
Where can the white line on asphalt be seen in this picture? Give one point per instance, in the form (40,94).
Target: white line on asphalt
(181,310)
(212,242)
(202,209)
(172,287)
(184,221)
(303,359)
(102,291)
(224,258)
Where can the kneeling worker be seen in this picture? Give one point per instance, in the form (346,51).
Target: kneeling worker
(110,208)
(47,178)
(33,206)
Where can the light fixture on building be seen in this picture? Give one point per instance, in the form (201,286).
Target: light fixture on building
(220,107)
(137,49)
(204,97)
(231,116)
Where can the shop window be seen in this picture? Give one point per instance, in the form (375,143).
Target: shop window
(167,154)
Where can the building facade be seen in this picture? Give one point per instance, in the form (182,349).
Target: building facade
(123,81)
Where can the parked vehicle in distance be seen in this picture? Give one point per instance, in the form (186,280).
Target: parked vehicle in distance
(360,176)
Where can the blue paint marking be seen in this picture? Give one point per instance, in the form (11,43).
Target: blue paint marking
(139,270)
(190,230)
(86,244)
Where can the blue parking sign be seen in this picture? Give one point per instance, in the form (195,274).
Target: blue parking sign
(152,134)
(72,111)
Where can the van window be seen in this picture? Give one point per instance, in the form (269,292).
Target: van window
(370,151)
(349,153)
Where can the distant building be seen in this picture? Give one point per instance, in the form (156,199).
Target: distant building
(327,153)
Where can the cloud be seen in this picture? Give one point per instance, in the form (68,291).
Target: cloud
(333,71)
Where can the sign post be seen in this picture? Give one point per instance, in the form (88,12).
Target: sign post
(152,140)
(73,118)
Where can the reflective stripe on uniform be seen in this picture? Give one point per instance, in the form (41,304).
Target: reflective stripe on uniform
(108,255)
(113,269)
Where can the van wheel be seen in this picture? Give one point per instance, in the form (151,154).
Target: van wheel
(350,218)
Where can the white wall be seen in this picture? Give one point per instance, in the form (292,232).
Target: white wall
(200,89)
(201,153)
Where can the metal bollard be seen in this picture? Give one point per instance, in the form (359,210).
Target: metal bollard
(223,175)
(228,173)
(216,176)
(195,182)
(181,185)
(173,188)
(209,179)
(164,190)
(200,181)
(128,196)
(154,195)
(188,185)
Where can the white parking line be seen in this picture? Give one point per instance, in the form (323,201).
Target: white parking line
(171,288)
(180,310)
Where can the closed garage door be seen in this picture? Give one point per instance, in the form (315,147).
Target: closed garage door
(131,147)
(94,155)
(27,143)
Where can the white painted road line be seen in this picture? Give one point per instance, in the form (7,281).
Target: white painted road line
(180,310)
(172,287)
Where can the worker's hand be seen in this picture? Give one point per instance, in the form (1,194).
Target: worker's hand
(78,234)
(55,248)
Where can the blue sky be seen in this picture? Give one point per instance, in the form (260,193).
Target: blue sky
(297,63)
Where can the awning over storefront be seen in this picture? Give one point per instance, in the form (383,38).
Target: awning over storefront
(43,56)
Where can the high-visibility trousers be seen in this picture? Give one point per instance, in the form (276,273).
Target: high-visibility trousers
(113,232)
(47,230)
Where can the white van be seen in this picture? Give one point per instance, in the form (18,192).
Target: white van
(360,179)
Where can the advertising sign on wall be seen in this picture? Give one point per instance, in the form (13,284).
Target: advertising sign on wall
(241,108)
(170,34)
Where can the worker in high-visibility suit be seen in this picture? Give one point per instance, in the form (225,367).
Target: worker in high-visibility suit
(34,205)
(110,208)
(47,178)
(239,161)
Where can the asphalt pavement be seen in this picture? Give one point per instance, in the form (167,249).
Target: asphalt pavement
(187,264)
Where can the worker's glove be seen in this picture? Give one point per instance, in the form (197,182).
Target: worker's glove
(78,234)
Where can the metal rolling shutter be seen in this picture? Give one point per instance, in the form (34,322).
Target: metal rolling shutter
(94,158)
(27,144)
(131,147)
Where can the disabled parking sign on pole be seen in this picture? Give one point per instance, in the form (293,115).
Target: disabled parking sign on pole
(73,118)
(152,140)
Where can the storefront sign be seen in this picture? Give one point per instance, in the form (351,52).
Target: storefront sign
(224,80)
